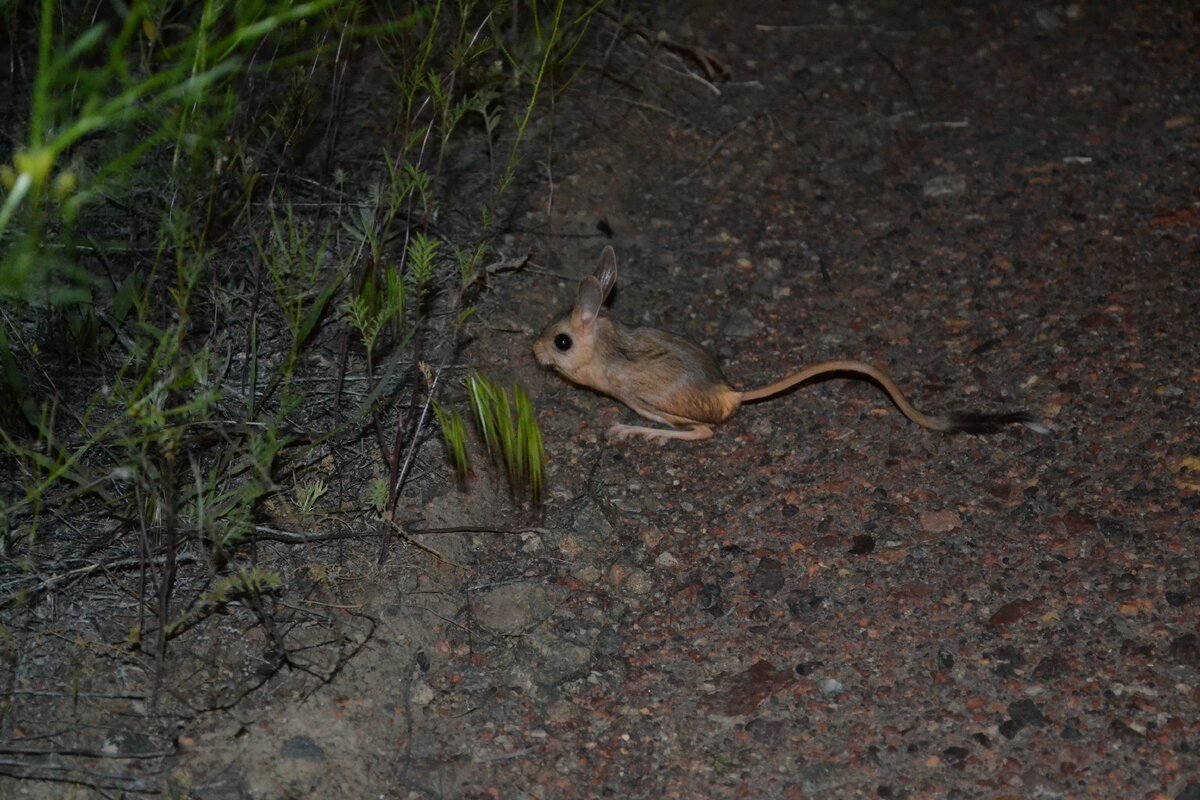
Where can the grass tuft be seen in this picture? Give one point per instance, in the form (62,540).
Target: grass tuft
(508,427)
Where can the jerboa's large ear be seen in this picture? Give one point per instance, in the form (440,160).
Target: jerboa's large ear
(587,303)
(606,272)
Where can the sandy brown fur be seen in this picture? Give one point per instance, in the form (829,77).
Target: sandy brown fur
(678,369)
(670,379)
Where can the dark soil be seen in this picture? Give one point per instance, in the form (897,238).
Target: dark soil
(995,201)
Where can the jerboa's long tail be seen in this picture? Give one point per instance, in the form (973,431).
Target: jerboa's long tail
(949,423)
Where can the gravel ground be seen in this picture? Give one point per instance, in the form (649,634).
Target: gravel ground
(998,203)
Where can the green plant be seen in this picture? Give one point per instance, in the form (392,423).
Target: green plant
(130,124)
(201,296)
(290,258)
(441,89)
(307,495)
(544,55)
(454,433)
(507,425)
(140,84)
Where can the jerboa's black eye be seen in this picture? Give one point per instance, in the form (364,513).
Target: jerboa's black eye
(562,342)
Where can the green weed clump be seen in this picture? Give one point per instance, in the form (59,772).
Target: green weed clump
(508,428)
(209,283)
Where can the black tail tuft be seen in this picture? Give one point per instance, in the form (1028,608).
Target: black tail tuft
(991,423)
